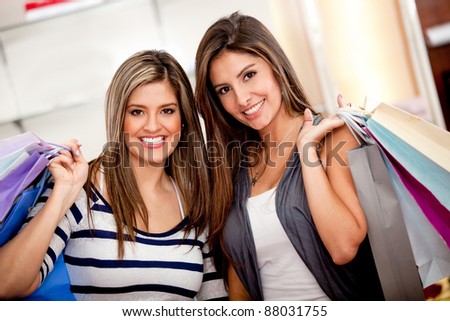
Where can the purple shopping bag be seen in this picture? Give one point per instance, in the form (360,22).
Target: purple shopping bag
(18,179)
(15,150)
(23,142)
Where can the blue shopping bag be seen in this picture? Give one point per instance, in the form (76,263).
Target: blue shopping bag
(27,199)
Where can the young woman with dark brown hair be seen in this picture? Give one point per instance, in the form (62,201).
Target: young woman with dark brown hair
(285,209)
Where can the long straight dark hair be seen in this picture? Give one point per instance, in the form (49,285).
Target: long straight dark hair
(245,34)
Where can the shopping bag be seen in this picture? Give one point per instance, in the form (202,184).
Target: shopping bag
(15,183)
(15,150)
(27,199)
(11,162)
(436,212)
(14,145)
(423,136)
(431,253)
(23,168)
(23,157)
(387,233)
(420,152)
(56,286)
(433,176)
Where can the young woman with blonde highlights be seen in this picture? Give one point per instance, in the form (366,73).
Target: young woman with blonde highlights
(138,229)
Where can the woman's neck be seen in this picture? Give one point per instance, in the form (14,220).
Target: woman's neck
(282,129)
(149,177)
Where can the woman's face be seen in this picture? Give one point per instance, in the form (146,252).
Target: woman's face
(152,123)
(246,87)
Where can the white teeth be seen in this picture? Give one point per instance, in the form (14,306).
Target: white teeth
(154,140)
(254,109)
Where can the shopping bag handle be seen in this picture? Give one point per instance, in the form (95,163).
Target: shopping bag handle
(54,150)
(356,122)
(41,184)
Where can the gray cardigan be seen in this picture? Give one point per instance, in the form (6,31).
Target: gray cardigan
(357,280)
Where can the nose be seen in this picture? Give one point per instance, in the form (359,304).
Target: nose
(242,96)
(153,124)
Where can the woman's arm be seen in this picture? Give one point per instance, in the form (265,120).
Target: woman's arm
(331,194)
(21,258)
(236,289)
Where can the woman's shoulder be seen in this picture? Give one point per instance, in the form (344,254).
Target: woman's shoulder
(341,139)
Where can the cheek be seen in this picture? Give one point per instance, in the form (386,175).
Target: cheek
(173,125)
(275,88)
(175,131)
(126,126)
(228,103)
(127,132)
(274,97)
(175,140)
(129,124)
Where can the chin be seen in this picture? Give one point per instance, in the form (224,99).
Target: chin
(259,125)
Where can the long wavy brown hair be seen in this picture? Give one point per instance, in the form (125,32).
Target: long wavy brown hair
(245,34)
(186,165)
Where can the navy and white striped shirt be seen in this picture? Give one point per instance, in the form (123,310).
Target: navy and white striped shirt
(158,266)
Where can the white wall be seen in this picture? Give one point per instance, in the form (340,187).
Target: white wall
(56,71)
(183,23)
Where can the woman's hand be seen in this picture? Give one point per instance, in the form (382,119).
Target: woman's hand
(69,167)
(313,135)
(69,170)
(341,102)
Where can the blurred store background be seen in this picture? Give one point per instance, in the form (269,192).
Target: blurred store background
(57,57)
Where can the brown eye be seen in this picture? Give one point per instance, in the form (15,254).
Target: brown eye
(249,75)
(136,112)
(168,111)
(223,90)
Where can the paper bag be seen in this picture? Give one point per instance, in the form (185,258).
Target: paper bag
(387,232)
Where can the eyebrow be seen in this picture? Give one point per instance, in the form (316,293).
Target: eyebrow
(238,75)
(244,69)
(174,104)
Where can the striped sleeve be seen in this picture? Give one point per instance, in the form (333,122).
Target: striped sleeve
(62,231)
(213,286)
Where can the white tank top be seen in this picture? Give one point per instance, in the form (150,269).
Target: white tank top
(283,273)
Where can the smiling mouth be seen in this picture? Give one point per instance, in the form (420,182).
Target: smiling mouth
(255,108)
(152,141)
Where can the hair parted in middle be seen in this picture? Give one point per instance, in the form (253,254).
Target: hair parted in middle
(186,164)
